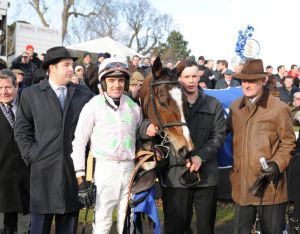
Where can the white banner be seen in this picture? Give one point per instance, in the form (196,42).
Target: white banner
(41,38)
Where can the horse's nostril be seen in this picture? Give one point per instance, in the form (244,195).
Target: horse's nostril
(183,152)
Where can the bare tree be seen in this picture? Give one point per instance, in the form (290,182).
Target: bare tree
(147,26)
(105,23)
(70,8)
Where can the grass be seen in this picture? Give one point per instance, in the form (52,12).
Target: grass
(225,213)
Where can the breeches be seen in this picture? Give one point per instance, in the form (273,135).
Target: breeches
(112,182)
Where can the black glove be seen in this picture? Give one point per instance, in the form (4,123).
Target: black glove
(272,172)
(86,194)
(259,186)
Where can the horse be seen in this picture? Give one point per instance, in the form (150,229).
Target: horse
(162,102)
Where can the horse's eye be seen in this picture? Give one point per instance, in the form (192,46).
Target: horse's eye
(163,104)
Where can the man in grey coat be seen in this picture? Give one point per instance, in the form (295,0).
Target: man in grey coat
(45,125)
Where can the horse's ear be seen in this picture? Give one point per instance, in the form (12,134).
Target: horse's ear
(156,67)
(179,68)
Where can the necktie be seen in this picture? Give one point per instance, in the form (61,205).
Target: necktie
(10,115)
(61,97)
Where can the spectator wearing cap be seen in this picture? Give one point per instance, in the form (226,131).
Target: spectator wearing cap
(33,56)
(286,92)
(135,85)
(24,63)
(38,73)
(227,81)
(107,55)
(19,76)
(204,82)
(100,59)
(45,124)
(79,71)
(296,109)
(90,73)
(19,82)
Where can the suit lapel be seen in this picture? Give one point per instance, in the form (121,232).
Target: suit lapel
(45,86)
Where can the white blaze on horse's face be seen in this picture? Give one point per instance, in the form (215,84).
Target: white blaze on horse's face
(176,94)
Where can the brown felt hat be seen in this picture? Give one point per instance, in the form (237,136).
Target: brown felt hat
(136,78)
(17,71)
(253,69)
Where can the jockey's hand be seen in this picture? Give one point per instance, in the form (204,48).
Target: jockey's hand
(85,195)
(151,130)
(194,163)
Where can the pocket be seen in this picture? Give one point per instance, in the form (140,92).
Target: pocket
(204,120)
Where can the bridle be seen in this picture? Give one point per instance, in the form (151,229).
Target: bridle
(162,125)
(163,134)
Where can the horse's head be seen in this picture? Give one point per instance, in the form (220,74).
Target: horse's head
(162,102)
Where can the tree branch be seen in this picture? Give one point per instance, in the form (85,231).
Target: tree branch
(75,13)
(36,5)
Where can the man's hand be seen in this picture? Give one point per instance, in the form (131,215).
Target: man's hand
(85,195)
(272,172)
(135,90)
(202,85)
(151,130)
(194,163)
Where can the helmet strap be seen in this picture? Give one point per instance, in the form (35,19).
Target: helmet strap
(115,100)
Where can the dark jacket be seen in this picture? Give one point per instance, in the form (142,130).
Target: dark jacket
(293,179)
(221,84)
(14,174)
(35,60)
(205,120)
(28,69)
(91,77)
(44,134)
(287,96)
(207,81)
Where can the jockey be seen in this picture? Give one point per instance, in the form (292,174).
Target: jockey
(109,121)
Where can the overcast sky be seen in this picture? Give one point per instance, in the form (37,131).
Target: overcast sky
(211,27)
